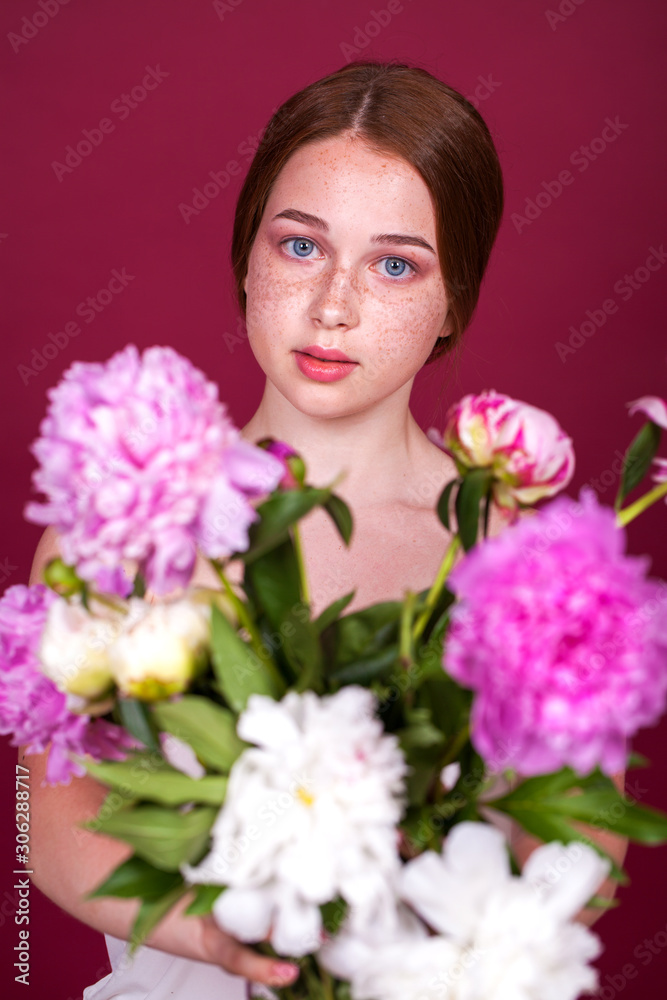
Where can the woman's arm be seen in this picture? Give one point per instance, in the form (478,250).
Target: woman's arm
(68,862)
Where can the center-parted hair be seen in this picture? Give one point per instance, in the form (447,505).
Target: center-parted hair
(403,111)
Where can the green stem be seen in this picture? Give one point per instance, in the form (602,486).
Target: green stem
(405,642)
(457,743)
(242,612)
(438,584)
(628,514)
(107,601)
(303,579)
(327,985)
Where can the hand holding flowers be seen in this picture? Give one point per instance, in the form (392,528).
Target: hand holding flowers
(312,811)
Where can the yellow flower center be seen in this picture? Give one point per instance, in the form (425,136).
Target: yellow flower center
(305,796)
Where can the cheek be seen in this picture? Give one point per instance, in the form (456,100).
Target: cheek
(270,296)
(411,331)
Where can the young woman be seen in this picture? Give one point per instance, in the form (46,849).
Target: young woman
(361,237)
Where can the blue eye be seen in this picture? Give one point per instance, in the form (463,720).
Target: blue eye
(301,247)
(395,266)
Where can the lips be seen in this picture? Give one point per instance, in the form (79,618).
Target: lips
(325,353)
(332,368)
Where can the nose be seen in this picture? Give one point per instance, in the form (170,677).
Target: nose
(335,301)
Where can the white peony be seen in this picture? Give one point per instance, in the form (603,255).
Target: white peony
(388,953)
(74,652)
(495,936)
(160,648)
(310,815)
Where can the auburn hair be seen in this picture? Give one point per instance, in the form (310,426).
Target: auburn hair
(405,111)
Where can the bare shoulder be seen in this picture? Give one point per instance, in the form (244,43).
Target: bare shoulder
(46,550)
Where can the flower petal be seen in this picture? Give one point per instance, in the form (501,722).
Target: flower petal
(652,407)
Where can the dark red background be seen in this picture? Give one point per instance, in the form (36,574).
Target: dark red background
(545,83)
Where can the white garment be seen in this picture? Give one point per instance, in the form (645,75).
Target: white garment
(156,975)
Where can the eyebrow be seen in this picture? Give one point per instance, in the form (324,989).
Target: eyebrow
(400,239)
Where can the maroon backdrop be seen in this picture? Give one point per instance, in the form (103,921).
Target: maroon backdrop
(129,127)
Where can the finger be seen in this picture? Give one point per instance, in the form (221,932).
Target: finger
(243,961)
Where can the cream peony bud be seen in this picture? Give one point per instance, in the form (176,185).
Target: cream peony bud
(74,651)
(161,649)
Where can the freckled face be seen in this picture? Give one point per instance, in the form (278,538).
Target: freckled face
(345,258)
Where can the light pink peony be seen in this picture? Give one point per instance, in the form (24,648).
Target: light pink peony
(140,462)
(530,455)
(562,638)
(652,407)
(32,709)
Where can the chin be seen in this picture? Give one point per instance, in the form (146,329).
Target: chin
(324,399)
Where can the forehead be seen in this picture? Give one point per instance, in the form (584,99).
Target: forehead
(332,178)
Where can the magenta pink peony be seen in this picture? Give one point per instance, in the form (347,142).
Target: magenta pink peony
(140,462)
(31,707)
(563,639)
(530,455)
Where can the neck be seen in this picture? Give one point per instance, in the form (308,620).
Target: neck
(380,449)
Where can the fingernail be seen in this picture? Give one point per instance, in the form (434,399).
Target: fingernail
(284,972)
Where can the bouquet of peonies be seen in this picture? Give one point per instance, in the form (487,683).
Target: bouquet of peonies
(326,786)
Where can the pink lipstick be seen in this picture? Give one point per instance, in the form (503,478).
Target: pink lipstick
(323,364)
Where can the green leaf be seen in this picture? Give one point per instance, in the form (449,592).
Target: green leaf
(473,490)
(135,718)
(554,827)
(637,760)
(443,503)
(136,878)
(332,612)
(239,670)
(205,897)
(151,913)
(447,702)
(365,632)
(210,729)
(596,801)
(272,582)
(301,644)
(610,811)
(602,903)
(333,914)
(277,514)
(139,588)
(340,514)
(365,670)
(418,782)
(149,776)
(638,459)
(165,838)
(425,735)
(487,513)
(533,790)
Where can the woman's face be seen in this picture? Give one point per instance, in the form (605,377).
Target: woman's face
(345,259)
